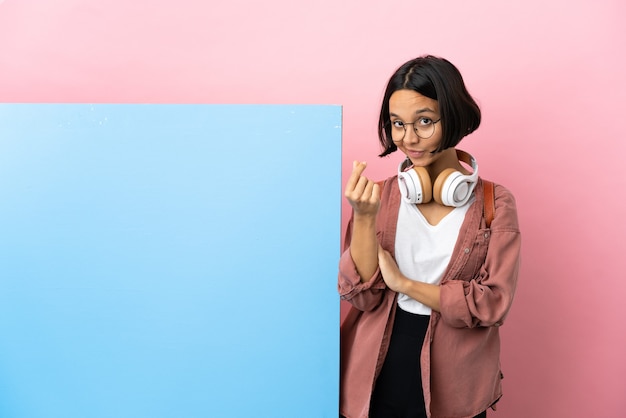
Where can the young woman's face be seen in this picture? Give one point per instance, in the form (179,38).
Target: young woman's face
(415,126)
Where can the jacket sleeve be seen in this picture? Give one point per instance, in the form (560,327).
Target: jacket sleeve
(363,296)
(486,299)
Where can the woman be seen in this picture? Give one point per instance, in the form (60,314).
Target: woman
(428,280)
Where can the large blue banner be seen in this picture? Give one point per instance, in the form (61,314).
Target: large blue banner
(169,260)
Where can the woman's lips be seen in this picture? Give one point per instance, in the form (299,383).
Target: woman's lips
(415,154)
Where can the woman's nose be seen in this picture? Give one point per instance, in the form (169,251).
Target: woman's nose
(410,136)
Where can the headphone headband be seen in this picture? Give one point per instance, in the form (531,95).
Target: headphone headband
(469,160)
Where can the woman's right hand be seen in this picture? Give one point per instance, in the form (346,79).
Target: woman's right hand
(364,197)
(362,193)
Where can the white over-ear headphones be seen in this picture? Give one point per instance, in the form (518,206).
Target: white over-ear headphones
(450,188)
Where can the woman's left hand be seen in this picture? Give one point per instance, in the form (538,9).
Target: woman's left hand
(390,271)
(425,293)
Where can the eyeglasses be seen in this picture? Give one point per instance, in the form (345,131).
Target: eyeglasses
(424,128)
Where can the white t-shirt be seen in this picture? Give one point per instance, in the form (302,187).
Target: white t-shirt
(423,251)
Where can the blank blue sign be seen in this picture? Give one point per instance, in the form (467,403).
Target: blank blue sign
(169,260)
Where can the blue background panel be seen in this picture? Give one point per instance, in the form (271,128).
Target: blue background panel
(169,260)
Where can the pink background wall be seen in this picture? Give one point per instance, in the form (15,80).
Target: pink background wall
(549,78)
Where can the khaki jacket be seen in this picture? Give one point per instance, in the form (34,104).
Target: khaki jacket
(460,358)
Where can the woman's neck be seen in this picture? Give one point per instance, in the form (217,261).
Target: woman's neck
(448,159)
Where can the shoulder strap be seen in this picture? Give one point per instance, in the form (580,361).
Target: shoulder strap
(490,202)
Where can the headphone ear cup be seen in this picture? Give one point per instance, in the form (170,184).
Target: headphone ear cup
(415,185)
(442,185)
(427,186)
(453,188)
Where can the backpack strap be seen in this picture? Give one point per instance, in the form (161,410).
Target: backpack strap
(490,202)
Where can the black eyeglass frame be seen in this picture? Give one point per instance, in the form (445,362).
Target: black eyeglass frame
(404,124)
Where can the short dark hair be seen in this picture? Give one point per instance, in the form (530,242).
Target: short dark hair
(437,79)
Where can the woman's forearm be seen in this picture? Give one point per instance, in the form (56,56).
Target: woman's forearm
(364,246)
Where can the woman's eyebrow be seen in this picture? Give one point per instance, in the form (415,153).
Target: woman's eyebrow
(417,112)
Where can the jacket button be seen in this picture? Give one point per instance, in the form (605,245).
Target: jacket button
(467,250)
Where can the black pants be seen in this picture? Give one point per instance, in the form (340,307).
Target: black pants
(398,391)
